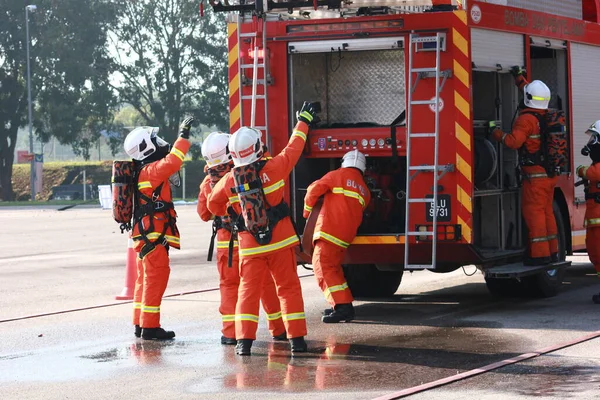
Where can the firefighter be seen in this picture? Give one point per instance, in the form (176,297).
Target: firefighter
(256,187)
(591,175)
(538,187)
(154,221)
(218,160)
(346,196)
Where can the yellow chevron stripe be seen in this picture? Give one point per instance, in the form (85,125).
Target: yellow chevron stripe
(466,231)
(462,135)
(463,167)
(234,117)
(462,105)
(461,15)
(231,29)
(460,42)
(461,73)
(233,55)
(234,85)
(464,198)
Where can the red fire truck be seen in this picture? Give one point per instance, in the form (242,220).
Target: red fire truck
(413,86)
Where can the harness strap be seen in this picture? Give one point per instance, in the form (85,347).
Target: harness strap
(593,196)
(211,246)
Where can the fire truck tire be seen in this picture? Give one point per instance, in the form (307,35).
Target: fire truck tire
(365,280)
(548,283)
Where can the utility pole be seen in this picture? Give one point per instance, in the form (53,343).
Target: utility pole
(32,171)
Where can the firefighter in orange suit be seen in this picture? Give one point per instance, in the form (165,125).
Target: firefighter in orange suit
(346,196)
(538,188)
(266,197)
(592,198)
(154,221)
(218,159)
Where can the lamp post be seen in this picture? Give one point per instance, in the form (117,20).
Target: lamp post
(32,172)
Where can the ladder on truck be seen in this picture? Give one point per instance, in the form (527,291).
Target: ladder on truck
(258,67)
(413,170)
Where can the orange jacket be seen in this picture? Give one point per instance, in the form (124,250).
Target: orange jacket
(150,177)
(223,235)
(273,175)
(592,209)
(346,196)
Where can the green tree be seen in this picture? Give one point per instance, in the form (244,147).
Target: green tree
(70,71)
(170,63)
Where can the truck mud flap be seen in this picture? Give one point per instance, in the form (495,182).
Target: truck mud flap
(518,270)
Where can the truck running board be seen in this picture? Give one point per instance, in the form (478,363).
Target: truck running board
(518,270)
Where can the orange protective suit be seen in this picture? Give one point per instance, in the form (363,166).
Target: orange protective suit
(538,189)
(229,277)
(592,213)
(278,256)
(153,269)
(346,196)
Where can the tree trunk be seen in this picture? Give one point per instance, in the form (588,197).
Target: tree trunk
(8,139)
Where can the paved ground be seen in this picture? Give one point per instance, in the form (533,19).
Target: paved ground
(436,326)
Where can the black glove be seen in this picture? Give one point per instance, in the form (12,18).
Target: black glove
(184,128)
(517,71)
(308,114)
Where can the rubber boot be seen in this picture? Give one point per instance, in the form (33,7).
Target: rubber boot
(298,345)
(282,336)
(157,334)
(327,311)
(228,341)
(596,298)
(243,347)
(138,331)
(341,312)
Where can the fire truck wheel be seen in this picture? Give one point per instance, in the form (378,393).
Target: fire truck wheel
(365,280)
(547,284)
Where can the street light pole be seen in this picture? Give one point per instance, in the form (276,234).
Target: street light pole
(32,171)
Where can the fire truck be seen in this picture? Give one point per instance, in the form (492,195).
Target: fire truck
(413,85)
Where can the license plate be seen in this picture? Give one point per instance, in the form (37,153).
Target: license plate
(444,210)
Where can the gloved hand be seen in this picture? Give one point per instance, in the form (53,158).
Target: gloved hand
(308,114)
(305,214)
(580,171)
(495,131)
(517,71)
(184,128)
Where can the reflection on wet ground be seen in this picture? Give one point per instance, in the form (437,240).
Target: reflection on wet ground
(388,362)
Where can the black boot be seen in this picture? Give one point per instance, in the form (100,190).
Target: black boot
(554,257)
(243,347)
(138,331)
(596,298)
(341,312)
(298,345)
(282,336)
(157,334)
(327,311)
(228,341)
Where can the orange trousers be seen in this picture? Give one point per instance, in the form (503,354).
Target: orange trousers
(253,271)
(152,278)
(327,264)
(592,242)
(537,198)
(229,283)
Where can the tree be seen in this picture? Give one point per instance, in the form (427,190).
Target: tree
(70,71)
(170,62)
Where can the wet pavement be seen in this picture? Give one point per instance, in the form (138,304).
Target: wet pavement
(436,326)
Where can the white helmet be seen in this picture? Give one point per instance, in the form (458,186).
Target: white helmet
(354,159)
(245,146)
(594,128)
(537,95)
(141,142)
(214,149)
